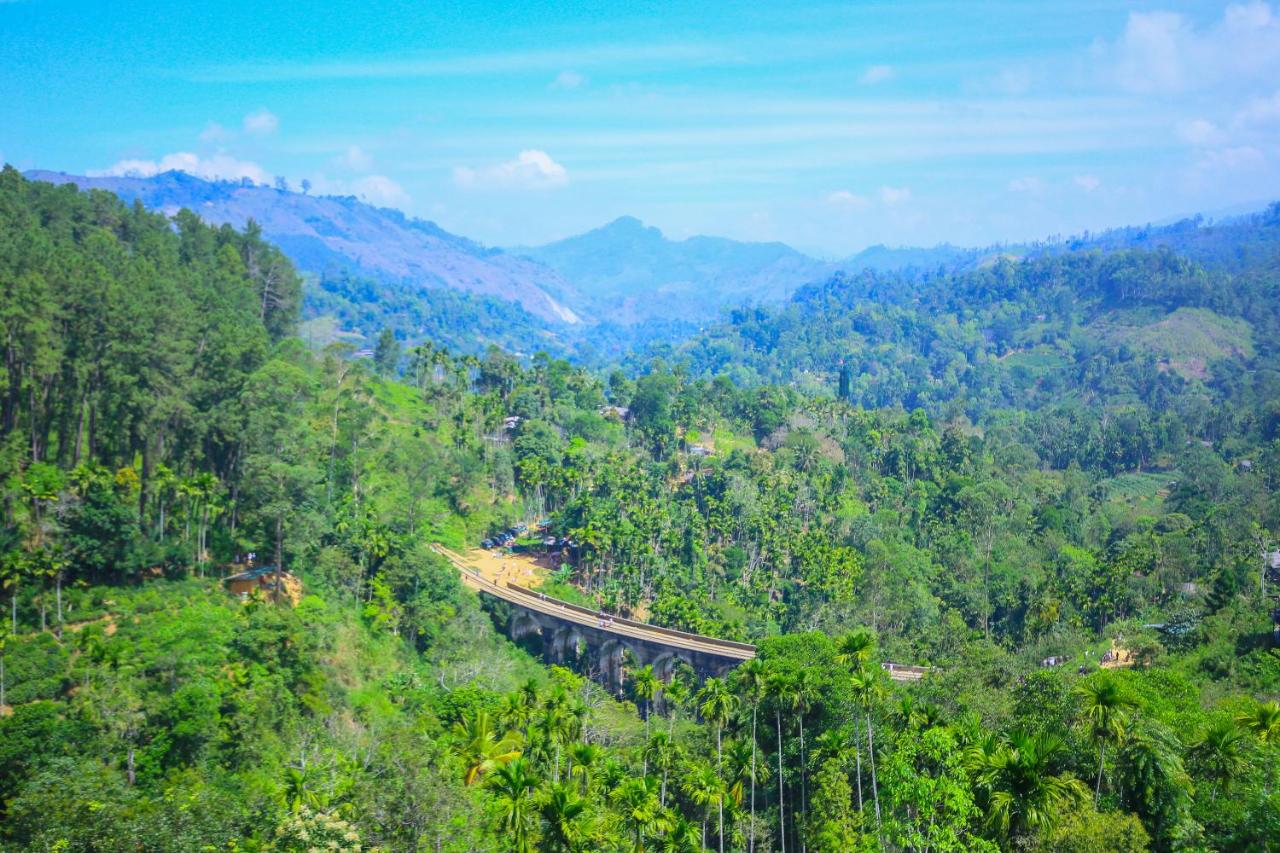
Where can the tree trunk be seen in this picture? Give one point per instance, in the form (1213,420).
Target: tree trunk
(857,756)
(871,755)
(804,809)
(782,808)
(58,594)
(1097,791)
(720,804)
(751,829)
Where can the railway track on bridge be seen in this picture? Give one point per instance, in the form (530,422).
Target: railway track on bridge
(620,627)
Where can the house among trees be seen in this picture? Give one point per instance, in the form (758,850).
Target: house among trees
(622,413)
(264,578)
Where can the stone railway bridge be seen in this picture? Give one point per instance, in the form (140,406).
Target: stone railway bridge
(569,631)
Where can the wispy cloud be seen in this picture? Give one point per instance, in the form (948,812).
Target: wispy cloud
(218,167)
(895,195)
(876,74)
(846,198)
(1164,52)
(354,158)
(261,122)
(1028,184)
(568,80)
(615,56)
(1088,183)
(530,170)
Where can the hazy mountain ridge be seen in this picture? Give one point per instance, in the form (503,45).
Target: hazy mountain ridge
(634,272)
(326,233)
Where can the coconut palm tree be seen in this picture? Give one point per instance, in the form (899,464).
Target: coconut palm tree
(853,652)
(717,705)
(750,681)
(682,837)
(661,752)
(645,686)
(804,693)
(1023,795)
(482,750)
(641,812)
(705,788)
(1263,720)
(779,690)
(584,762)
(1221,752)
(514,784)
(561,810)
(869,688)
(1105,709)
(674,693)
(741,770)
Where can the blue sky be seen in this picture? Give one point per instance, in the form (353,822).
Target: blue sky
(831,126)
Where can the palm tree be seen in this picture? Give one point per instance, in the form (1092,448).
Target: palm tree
(584,760)
(717,706)
(514,783)
(739,759)
(853,652)
(1106,711)
(675,692)
(869,688)
(561,808)
(803,694)
(641,812)
(481,749)
(705,787)
(1023,796)
(1263,721)
(1221,752)
(661,752)
(750,679)
(645,686)
(682,837)
(778,688)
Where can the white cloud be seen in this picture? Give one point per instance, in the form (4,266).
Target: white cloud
(1164,52)
(261,123)
(1238,158)
(876,74)
(1029,184)
(1200,132)
(214,132)
(380,190)
(894,195)
(355,158)
(218,167)
(1259,112)
(845,198)
(531,170)
(568,80)
(1088,183)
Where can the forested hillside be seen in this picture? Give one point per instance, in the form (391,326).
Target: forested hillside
(948,506)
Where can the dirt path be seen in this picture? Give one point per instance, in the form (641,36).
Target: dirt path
(521,569)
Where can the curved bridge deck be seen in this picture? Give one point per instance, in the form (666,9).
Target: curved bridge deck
(587,618)
(564,624)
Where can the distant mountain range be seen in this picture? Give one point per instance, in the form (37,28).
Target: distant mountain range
(369,268)
(631,272)
(622,274)
(325,234)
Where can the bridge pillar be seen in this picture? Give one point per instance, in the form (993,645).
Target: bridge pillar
(610,660)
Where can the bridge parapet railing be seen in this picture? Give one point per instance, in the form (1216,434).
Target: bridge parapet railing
(644,626)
